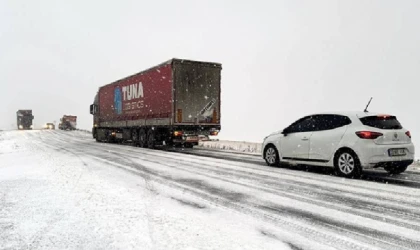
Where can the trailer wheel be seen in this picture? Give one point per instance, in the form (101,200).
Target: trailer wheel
(151,139)
(142,138)
(135,137)
(108,137)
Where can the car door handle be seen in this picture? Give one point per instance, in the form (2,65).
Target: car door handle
(305,139)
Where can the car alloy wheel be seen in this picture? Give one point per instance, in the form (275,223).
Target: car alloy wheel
(346,163)
(271,156)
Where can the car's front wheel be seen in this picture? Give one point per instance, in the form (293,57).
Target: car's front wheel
(347,164)
(396,169)
(271,156)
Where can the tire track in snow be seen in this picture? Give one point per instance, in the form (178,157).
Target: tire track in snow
(230,200)
(236,157)
(271,171)
(194,184)
(218,200)
(409,179)
(120,163)
(350,200)
(49,142)
(146,178)
(253,167)
(328,196)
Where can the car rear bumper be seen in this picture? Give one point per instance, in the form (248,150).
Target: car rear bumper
(393,163)
(373,156)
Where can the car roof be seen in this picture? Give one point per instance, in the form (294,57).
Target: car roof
(359,114)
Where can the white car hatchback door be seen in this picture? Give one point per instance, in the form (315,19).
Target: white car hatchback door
(390,128)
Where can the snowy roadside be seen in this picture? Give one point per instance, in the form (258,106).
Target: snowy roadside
(52,198)
(415,167)
(233,146)
(61,189)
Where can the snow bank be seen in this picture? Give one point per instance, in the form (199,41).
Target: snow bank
(238,146)
(85,130)
(415,166)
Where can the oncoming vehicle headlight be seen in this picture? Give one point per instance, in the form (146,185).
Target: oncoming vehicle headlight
(20,127)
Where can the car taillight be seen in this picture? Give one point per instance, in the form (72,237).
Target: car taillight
(368,134)
(177,133)
(384,116)
(408,134)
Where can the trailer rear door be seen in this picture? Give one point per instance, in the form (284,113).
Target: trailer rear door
(197,92)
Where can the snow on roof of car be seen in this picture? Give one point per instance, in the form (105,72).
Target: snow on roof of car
(353,113)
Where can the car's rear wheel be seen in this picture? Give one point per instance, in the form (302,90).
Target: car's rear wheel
(271,156)
(347,164)
(396,169)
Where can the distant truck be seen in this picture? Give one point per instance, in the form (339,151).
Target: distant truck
(174,103)
(68,122)
(24,119)
(49,126)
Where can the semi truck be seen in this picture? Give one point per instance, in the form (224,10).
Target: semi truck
(68,122)
(24,119)
(174,103)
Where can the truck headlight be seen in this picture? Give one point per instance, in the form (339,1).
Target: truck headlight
(20,127)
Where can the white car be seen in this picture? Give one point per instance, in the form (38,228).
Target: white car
(348,142)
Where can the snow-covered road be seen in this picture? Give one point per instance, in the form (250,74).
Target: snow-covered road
(63,190)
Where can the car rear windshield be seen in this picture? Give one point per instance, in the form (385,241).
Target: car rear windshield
(381,122)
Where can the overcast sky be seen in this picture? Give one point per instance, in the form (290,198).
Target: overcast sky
(281,59)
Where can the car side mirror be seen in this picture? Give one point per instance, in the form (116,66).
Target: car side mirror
(285,132)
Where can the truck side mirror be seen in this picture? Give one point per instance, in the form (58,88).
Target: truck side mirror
(92,109)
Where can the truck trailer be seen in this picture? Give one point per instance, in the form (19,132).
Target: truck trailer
(68,122)
(24,119)
(174,103)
